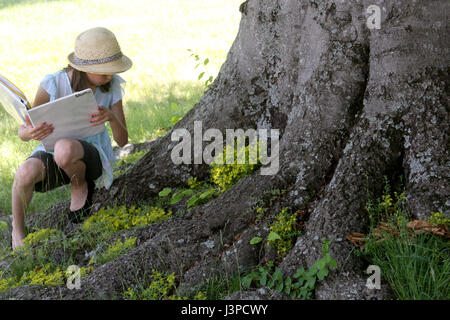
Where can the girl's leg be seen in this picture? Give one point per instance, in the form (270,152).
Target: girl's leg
(29,173)
(68,156)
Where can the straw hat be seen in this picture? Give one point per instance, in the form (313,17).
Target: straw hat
(97,51)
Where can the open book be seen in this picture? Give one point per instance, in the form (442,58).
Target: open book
(69,115)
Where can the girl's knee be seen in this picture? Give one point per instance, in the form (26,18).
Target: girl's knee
(31,171)
(65,152)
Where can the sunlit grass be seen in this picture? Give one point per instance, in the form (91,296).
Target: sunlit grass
(37,36)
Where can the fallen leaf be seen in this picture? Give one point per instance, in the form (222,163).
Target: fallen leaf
(357,239)
(421,226)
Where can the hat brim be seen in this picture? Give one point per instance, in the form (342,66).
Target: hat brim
(109,68)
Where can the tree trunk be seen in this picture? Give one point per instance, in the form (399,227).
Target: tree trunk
(352,104)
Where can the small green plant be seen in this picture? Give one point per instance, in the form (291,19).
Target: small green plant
(226,175)
(202,197)
(201,62)
(161,285)
(439,218)
(114,250)
(123,164)
(114,219)
(219,286)
(132,158)
(282,232)
(200,193)
(177,117)
(48,275)
(303,282)
(35,252)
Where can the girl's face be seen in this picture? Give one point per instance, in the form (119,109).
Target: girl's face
(98,79)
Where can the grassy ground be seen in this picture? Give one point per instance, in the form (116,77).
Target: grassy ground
(416,266)
(156,35)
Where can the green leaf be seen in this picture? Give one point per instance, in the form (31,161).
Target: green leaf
(280,286)
(255,240)
(313,270)
(271,283)
(273,236)
(311,282)
(174,119)
(164,192)
(333,263)
(201,75)
(263,279)
(303,293)
(321,264)
(177,196)
(188,192)
(207,193)
(206,61)
(192,201)
(247,280)
(300,272)
(322,274)
(174,106)
(288,285)
(277,275)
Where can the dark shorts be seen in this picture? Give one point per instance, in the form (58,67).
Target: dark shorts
(55,176)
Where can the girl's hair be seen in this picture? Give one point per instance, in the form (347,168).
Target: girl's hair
(80,82)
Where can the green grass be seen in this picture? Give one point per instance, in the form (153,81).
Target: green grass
(163,82)
(416,267)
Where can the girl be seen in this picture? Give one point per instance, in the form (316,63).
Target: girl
(93,64)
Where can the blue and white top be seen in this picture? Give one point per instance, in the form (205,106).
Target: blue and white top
(57,85)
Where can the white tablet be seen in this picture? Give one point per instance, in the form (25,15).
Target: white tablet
(70,116)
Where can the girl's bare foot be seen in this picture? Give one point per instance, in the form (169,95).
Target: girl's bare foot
(17,239)
(78,196)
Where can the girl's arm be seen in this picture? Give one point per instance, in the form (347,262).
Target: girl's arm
(40,131)
(116,119)
(119,125)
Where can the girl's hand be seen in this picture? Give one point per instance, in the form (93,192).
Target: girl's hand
(39,132)
(101,116)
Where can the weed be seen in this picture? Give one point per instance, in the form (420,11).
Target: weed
(303,282)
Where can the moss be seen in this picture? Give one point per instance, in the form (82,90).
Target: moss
(41,236)
(284,227)
(439,218)
(47,275)
(122,218)
(193,183)
(123,164)
(114,250)
(160,287)
(226,175)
